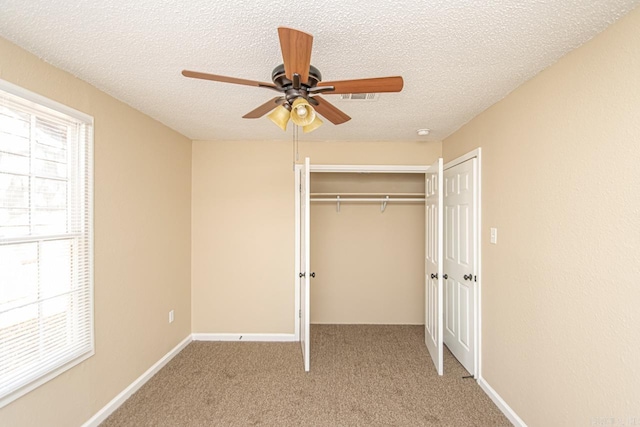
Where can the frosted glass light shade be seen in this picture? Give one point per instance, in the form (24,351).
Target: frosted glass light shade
(305,119)
(315,124)
(280,116)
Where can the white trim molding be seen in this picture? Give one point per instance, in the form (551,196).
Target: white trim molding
(476,152)
(115,403)
(245,337)
(501,404)
(368,168)
(44,101)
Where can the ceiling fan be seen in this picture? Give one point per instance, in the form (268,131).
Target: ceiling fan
(300,84)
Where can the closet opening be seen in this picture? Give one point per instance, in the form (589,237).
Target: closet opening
(367,248)
(384,245)
(346,199)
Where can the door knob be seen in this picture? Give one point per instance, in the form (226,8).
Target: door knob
(301,275)
(313,274)
(434,276)
(468,277)
(445,277)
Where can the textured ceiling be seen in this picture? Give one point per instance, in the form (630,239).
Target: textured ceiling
(457,57)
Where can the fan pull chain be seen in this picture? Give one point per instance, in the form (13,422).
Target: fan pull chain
(296,154)
(297,144)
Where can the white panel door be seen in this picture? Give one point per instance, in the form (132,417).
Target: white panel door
(459,263)
(305,257)
(433,265)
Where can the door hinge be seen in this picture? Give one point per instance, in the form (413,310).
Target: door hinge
(475,278)
(300,314)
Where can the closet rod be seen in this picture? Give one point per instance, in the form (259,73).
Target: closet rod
(361,199)
(382,200)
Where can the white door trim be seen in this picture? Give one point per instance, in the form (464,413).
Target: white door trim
(297,254)
(470,155)
(476,153)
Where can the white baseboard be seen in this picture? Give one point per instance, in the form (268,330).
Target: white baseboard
(501,404)
(108,409)
(245,337)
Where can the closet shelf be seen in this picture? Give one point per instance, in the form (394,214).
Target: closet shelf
(405,195)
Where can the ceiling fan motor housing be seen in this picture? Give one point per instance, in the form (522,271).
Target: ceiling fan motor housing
(291,94)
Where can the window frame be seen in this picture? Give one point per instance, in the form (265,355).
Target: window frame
(88,121)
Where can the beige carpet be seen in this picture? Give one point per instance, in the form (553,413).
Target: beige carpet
(361,375)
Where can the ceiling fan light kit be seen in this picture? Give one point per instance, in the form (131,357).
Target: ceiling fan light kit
(302,114)
(300,83)
(315,124)
(280,116)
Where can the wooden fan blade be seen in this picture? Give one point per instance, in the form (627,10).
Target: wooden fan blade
(225,79)
(296,52)
(329,111)
(375,85)
(264,108)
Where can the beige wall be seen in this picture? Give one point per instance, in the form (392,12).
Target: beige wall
(370,152)
(242,237)
(243,226)
(561,178)
(369,264)
(142,250)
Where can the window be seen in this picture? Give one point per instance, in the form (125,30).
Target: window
(46,240)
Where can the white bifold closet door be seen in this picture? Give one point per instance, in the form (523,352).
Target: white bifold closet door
(459,263)
(305,260)
(433,266)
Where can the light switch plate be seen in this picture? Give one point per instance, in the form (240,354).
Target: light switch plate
(494,236)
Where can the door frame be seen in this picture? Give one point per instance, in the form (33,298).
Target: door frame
(476,153)
(477,215)
(296,190)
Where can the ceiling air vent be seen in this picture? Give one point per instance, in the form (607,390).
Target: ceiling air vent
(359,96)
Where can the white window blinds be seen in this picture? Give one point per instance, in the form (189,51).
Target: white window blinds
(46,247)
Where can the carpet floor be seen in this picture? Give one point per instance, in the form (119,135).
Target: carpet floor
(361,375)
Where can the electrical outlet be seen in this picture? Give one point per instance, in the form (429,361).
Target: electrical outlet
(494,236)
(171,316)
